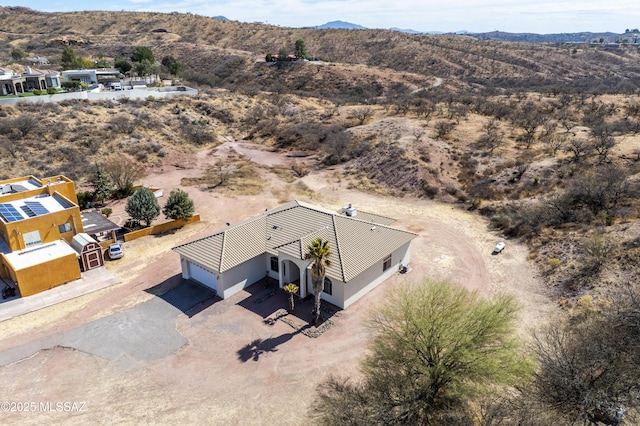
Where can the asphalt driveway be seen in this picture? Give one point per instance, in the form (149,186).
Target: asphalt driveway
(131,338)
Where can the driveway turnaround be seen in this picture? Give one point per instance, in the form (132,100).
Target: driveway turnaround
(130,339)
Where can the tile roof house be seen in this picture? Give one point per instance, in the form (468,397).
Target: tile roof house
(365,252)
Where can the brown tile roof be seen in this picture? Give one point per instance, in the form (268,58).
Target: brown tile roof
(356,242)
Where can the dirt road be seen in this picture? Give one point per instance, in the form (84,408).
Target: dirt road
(132,357)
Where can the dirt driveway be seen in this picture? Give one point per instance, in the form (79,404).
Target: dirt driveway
(132,354)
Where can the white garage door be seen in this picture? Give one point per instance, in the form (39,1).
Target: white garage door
(202,276)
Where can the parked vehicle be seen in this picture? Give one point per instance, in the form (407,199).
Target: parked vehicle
(8,291)
(116,86)
(499,247)
(115,251)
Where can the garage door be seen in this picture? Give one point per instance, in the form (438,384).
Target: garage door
(202,275)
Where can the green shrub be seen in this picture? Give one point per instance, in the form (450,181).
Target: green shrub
(106,211)
(84,199)
(52,91)
(554,262)
(37,92)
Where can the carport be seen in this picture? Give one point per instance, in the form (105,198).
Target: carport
(98,226)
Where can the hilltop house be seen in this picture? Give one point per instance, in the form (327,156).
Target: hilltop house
(38,220)
(365,252)
(92,76)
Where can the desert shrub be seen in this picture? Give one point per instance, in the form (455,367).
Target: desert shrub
(435,349)
(443,128)
(299,169)
(123,124)
(106,211)
(23,124)
(597,250)
(430,190)
(199,132)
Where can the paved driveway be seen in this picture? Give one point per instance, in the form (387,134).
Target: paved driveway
(131,338)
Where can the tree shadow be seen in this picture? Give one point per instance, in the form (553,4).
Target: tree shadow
(258,347)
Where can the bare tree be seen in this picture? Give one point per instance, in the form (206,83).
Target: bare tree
(362,114)
(585,372)
(443,128)
(580,148)
(417,132)
(553,141)
(602,142)
(491,137)
(123,172)
(528,117)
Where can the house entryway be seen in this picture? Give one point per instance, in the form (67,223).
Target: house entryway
(290,273)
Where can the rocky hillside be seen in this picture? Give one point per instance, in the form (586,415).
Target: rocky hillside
(543,139)
(479,63)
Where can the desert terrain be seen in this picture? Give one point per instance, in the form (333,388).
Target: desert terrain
(155,349)
(466,142)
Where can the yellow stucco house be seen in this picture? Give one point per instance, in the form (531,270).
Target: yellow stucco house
(38,219)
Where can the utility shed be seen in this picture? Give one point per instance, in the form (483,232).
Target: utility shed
(89,250)
(42,267)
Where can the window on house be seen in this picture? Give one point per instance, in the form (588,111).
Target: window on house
(328,286)
(65,227)
(31,239)
(274,264)
(386,263)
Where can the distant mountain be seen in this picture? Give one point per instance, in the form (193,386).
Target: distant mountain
(552,38)
(220,17)
(340,25)
(408,31)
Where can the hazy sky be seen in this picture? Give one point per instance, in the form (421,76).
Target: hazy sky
(541,16)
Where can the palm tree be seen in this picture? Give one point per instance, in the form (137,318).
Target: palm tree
(292,289)
(318,252)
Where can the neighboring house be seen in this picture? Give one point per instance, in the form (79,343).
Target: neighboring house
(38,219)
(40,79)
(92,76)
(11,83)
(14,84)
(365,252)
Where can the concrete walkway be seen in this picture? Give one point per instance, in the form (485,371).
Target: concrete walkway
(91,281)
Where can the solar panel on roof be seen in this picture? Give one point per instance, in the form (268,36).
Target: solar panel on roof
(28,211)
(9,213)
(36,207)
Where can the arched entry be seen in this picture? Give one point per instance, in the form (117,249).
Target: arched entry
(290,273)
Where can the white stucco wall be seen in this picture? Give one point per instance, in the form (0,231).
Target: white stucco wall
(374,276)
(241,277)
(337,291)
(101,96)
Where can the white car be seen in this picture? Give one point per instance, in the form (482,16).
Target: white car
(499,247)
(115,251)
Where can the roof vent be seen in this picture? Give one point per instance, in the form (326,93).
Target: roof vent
(275,227)
(350,211)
